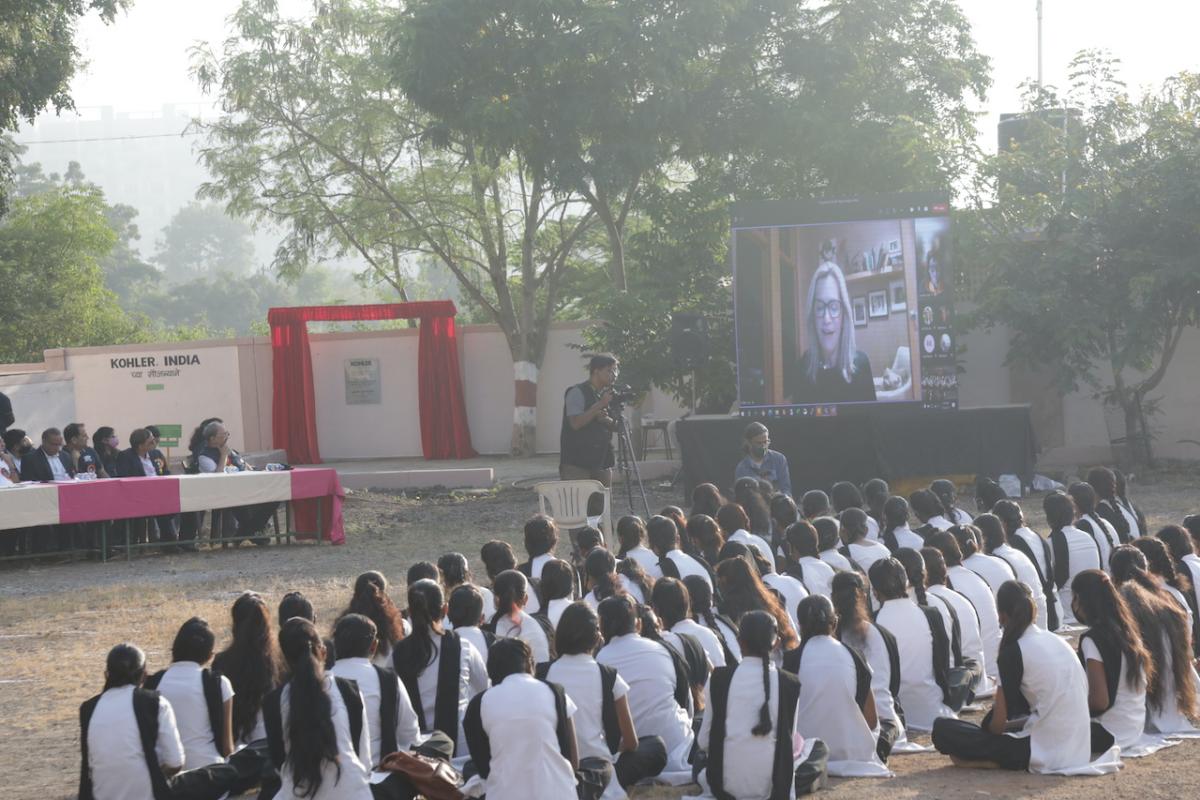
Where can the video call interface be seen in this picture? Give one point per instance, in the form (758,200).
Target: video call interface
(843,302)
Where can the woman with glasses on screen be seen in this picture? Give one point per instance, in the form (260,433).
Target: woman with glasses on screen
(831,370)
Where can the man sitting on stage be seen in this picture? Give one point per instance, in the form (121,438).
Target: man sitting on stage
(585,443)
(217,455)
(83,456)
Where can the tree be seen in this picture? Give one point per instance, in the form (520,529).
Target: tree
(202,240)
(317,138)
(51,245)
(1089,240)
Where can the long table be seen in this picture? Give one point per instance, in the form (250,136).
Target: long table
(315,492)
(878,440)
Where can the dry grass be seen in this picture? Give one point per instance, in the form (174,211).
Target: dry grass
(57,621)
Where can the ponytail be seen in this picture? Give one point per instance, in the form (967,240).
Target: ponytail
(425,601)
(1015,602)
(311,737)
(372,601)
(600,567)
(510,588)
(125,666)
(758,634)
(895,515)
(914,566)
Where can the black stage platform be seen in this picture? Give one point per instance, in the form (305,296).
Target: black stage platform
(861,443)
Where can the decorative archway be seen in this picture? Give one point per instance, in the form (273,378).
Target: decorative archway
(444,431)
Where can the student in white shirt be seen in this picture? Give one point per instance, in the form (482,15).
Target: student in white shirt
(1162,623)
(735,525)
(743,591)
(456,572)
(788,588)
(115,763)
(837,705)
(814,503)
(672,562)
(387,710)
(1116,661)
(371,599)
(977,591)
(994,571)
(659,695)
(995,544)
(604,726)
(522,736)
(703,614)
(498,556)
(440,670)
(1073,550)
(929,512)
(541,537)
(970,637)
(315,725)
(705,535)
(751,494)
(875,493)
(201,699)
(878,648)
(1040,720)
(631,535)
(467,618)
(254,667)
(748,730)
(511,619)
(857,548)
(829,541)
(1091,523)
(673,607)
(845,495)
(603,581)
(1160,564)
(1180,546)
(947,494)
(557,588)
(1037,550)
(924,646)
(896,533)
(802,561)
(783,515)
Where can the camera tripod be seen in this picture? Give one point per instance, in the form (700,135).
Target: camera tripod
(627,464)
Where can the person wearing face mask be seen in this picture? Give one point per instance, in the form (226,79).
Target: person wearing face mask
(761,461)
(106,443)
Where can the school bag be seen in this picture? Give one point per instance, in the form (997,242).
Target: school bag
(433,778)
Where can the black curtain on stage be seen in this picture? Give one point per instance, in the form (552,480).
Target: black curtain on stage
(861,443)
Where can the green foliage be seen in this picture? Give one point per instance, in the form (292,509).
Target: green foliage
(1091,252)
(202,239)
(51,246)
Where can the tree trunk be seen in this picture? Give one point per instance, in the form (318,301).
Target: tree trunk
(525,378)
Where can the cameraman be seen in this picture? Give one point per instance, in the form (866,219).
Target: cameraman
(585,444)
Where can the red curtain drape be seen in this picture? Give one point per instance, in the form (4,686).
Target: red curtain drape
(444,431)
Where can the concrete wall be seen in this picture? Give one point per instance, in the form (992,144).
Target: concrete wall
(233,380)
(41,400)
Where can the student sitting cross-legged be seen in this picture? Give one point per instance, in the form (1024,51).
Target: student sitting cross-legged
(522,737)
(387,710)
(749,727)
(604,726)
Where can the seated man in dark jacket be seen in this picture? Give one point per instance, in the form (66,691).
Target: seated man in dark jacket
(48,463)
(137,461)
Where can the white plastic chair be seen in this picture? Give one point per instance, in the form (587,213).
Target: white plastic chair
(567,501)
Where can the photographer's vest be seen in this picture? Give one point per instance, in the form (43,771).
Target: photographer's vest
(590,447)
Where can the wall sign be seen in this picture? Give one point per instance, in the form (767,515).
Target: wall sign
(362,382)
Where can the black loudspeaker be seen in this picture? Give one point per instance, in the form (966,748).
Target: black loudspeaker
(689,340)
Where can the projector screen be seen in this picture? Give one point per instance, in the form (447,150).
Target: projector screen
(842,302)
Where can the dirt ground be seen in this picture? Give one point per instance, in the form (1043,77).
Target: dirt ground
(58,620)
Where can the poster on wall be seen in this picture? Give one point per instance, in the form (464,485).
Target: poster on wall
(362,382)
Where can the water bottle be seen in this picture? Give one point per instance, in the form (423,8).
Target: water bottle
(274,467)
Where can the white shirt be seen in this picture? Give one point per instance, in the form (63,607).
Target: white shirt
(872,529)
(836,560)
(1105,536)
(976,590)
(475,636)
(353,762)
(579,675)
(941,523)
(708,640)
(1126,719)
(555,609)
(408,731)
(687,566)
(182,686)
(631,588)
(920,695)
(993,569)
(828,709)
(1169,719)
(906,538)
(757,542)
(528,630)
(818,576)
(148,466)
(650,672)
(115,755)
(793,592)
(536,564)
(1081,554)
(645,558)
(1192,562)
(875,653)
(970,637)
(749,759)
(521,722)
(1034,542)
(472,679)
(57,470)
(960,517)
(1027,574)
